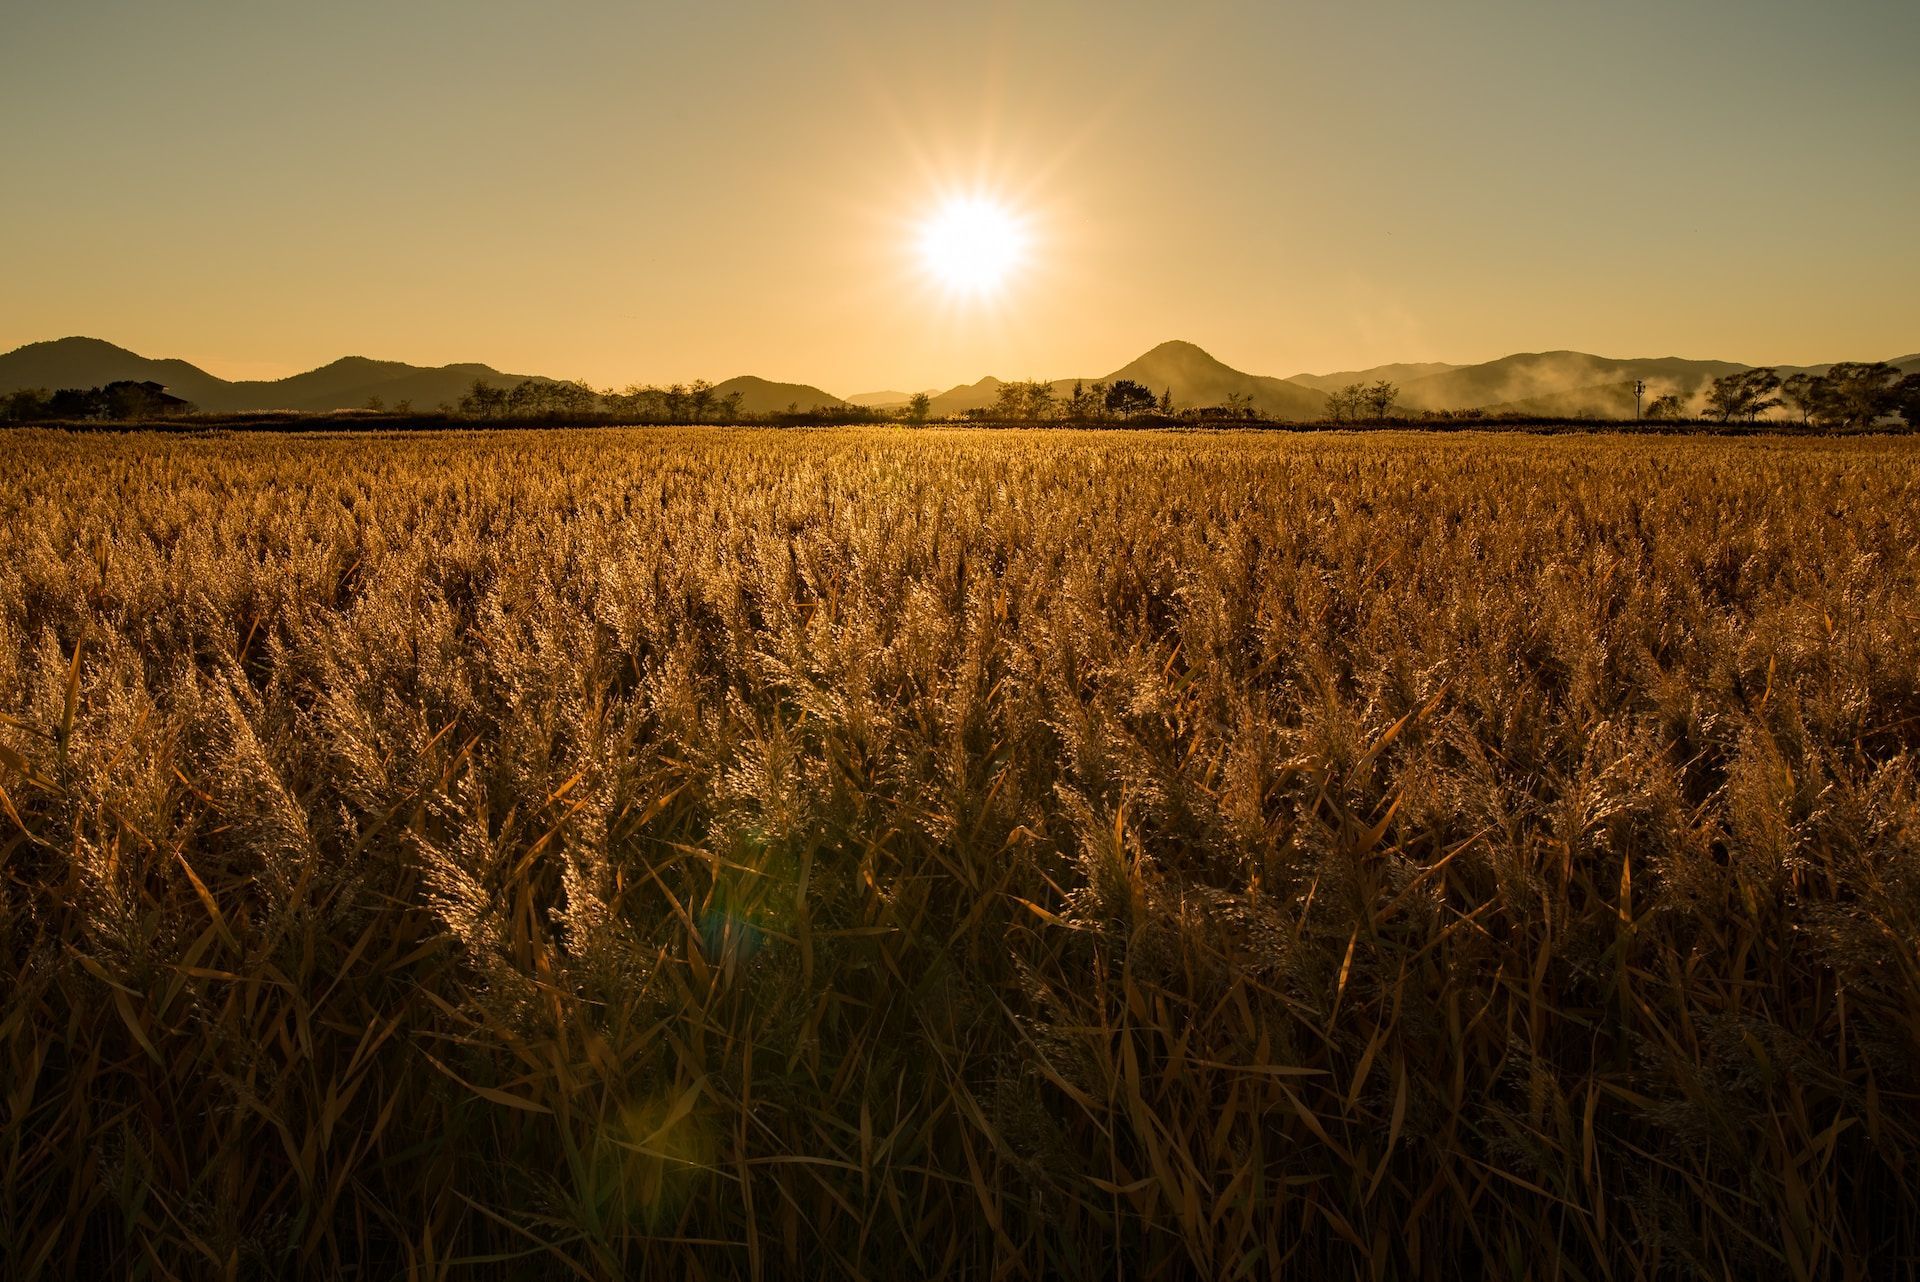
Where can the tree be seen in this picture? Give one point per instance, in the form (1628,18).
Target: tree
(1166,402)
(1080,405)
(75,402)
(1380,398)
(1039,400)
(1345,405)
(1747,394)
(1010,401)
(1906,399)
(919,407)
(700,399)
(1807,393)
(1669,406)
(375,404)
(523,399)
(483,400)
(1858,392)
(24,405)
(573,399)
(1127,398)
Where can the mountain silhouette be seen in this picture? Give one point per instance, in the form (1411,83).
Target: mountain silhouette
(1531,376)
(1196,378)
(763,396)
(884,400)
(1559,384)
(352,380)
(1553,384)
(90,362)
(967,396)
(1905,364)
(347,383)
(1191,374)
(1398,373)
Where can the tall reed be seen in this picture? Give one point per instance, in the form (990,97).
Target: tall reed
(757,854)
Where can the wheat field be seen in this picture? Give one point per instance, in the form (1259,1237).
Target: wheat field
(711,854)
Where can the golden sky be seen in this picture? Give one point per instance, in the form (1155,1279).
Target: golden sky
(664,191)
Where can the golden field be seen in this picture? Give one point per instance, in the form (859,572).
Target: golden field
(731,853)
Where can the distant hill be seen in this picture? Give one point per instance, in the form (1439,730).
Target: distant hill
(761,396)
(1529,376)
(1905,364)
(352,380)
(884,400)
(1578,384)
(1606,399)
(968,396)
(1197,378)
(1602,400)
(1550,384)
(345,384)
(1193,376)
(90,362)
(1402,373)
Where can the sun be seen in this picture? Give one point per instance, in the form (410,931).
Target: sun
(971,245)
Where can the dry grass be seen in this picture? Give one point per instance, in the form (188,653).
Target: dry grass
(725,854)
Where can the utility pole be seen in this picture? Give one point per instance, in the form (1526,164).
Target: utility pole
(1639,390)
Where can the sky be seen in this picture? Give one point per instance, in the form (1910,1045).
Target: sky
(651,192)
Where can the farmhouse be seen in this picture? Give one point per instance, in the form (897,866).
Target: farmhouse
(151,397)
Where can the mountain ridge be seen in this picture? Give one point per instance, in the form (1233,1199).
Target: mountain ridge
(765,396)
(347,383)
(1567,382)
(1191,374)
(1396,372)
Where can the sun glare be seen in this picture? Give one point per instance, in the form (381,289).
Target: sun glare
(971,245)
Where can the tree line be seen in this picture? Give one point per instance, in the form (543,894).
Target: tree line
(1360,402)
(1849,394)
(119,401)
(1126,400)
(1122,400)
(693,402)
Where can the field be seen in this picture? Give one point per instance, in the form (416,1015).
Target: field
(877,853)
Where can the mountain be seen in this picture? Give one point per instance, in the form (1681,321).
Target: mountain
(1193,376)
(884,400)
(345,384)
(89,362)
(1550,384)
(1529,376)
(1602,400)
(1574,384)
(760,396)
(968,396)
(352,381)
(1402,373)
(1196,378)
(1905,364)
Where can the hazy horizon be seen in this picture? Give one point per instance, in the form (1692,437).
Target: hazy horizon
(654,196)
(955,384)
